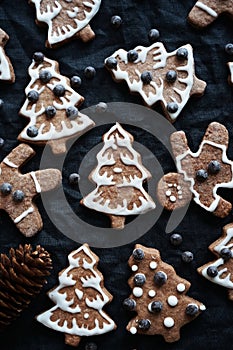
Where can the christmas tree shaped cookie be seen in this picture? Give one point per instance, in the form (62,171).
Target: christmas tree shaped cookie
(119,176)
(79,298)
(6,69)
(158,75)
(220,271)
(51,106)
(158,297)
(66,19)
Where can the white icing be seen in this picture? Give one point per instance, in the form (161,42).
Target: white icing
(206,9)
(86,316)
(134,268)
(37,185)
(152,293)
(5,72)
(117,170)
(133,330)
(9,163)
(66,31)
(178,189)
(168,322)
(78,125)
(94,199)
(23,215)
(231,71)
(172,300)
(149,307)
(153,265)
(160,56)
(172,199)
(137,292)
(180,287)
(168,193)
(225,160)
(202,307)
(66,280)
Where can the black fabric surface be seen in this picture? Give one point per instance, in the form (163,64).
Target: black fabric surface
(213,329)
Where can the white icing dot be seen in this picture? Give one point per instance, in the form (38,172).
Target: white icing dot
(180,287)
(179,192)
(168,193)
(175,185)
(117,170)
(153,265)
(173,199)
(86,316)
(168,322)
(202,307)
(170,185)
(134,268)
(152,293)
(180,197)
(137,292)
(133,330)
(178,188)
(172,300)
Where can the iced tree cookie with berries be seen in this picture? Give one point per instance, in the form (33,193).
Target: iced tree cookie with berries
(6,69)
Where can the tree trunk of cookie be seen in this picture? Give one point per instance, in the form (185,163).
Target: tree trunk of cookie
(230,294)
(198,86)
(86,34)
(117,222)
(72,340)
(58,146)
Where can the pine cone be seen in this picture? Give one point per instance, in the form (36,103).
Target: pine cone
(22,276)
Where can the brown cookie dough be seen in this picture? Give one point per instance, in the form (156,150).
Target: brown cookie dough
(6,69)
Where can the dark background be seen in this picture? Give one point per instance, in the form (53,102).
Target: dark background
(213,329)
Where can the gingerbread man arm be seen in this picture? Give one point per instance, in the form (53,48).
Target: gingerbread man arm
(20,155)
(217,131)
(179,143)
(46,180)
(204,13)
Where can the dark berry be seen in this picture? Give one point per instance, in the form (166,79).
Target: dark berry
(59,90)
(45,76)
(1,103)
(33,96)
(74,179)
(160,278)
(38,57)
(187,257)
(139,279)
(144,324)
(171,76)
(229,49)
(75,82)
(32,131)
(72,112)
(116,21)
(2,141)
(172,107)
(101,107)
(91,346)
(132,55)
(50,111)
(129,304)
(153,35)
(18,196)
(214,167)
(212,271)
(146,77)
(176,239)
(156,306)
(192,309)
(111,62)
(138,254)
(89,72)
(201,175)
(182,53)
(226,253)
(5,188)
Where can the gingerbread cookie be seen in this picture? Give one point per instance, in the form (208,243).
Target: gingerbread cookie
(6,69)
(66,19)
(205,171)
(158,297)
(79,298)
(119,176)
(230,65)
(18,190)
(158,75)
(51,105)
(206,11)
(220,270)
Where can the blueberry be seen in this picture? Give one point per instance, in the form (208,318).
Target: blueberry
(18,196)
(212,271)
(50,111)
(187,257)
(32,131)
(153,35)
(89,72)
(160,278)
(229,49)
(172,107)
(201,175)
(144,324)
(156,306)
(132,55)
(72,112)
(2,141)
(1,103)
(101,107)
(111,63)
(59,90)
(129,304)
(5,188)
(116,21)
(214,167)
(171,76)
(74,179)
(139,279)
(192,310)
(176,239)
(182,53)
(226,254)
(45,76)
(38,57)
(75,82)
(91,346)
(33,96)
(138,254)
(146,77)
